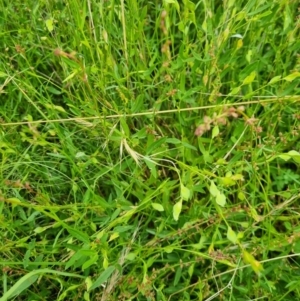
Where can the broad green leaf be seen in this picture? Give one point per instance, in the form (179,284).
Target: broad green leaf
(249,56)
(213,189)
(239,44)
(88,283)
(54,90)
(256,265)
(275,79)
(295,155)
(231,235)
(14,201)
(237,177)
(221,199)
(177,210)
(250,78)
(185,193)
(105,263)
(158,207)
(284,157)
(292,76)
(168,249)
(102,278)
(241,196)
(90,262)
(151,165)
(227,181)
(78,234)
(80,155)
(215,131)
(41,229)
(130,256)
(235,91)
(173,141)
(49,25)
(113,236)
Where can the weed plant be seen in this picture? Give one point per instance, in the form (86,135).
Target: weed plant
(149,150)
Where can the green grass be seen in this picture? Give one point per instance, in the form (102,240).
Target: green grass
(150,150)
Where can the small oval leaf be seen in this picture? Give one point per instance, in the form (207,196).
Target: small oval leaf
(215,131)
(158,207)
(177,210)
(185,193)
(213,189)
(221,199)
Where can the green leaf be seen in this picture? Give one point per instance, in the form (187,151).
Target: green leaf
(177,276)
(20,286)
(177,210)
(221,199)
(295,155)
(250,78)
(102,278)
(79,235)
(284,157)
(213,189)
(158,207)
(41,229)
(215,131)
(292,76)
(227,181)
(173,141)
(27,280)
(231,235)
(256,265)
(54,90)
(241,196)
(49,25)
(90,262)
(275,79)
(235,91)
(114,236)
(130,256)
(185,193)
(168,249)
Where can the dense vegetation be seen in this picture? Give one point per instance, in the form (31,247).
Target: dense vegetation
(150,150)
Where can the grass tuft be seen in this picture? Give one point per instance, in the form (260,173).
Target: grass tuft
(149,150)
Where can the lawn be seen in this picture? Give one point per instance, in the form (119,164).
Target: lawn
(150,150)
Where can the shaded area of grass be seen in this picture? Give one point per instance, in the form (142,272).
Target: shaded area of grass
(198,202)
